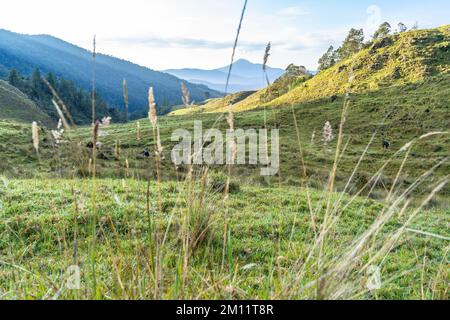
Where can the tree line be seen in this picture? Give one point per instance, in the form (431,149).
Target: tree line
(77,100)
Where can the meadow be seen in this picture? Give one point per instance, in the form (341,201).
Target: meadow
(337,217)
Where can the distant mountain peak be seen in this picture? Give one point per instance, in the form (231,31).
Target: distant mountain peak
(245,76)
(243,61)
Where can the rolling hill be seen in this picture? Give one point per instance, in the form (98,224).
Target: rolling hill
(246,76)
(14,105)
(49,54)
(397,60)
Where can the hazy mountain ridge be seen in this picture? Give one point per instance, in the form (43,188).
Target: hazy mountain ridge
(50,54)
(245,76)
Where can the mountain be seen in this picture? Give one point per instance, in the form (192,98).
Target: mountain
(398,60)
(14,105)
(49,54)
(246,76)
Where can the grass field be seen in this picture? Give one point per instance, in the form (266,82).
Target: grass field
(285,237)
(47,227)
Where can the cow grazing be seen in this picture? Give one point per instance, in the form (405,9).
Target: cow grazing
(146,154)
(386,144)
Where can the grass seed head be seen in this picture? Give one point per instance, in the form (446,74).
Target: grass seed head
(185,94)
(35,135)
(152,108)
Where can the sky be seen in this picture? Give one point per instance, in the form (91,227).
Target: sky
(166,34)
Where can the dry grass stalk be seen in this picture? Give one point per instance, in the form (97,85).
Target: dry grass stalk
(138,131)
(236,40)
(117,149)
(125,98)
(59,101)
(185,94)
(95,131)
(230,121)
(35,135)
(127,167)
(90,166)
(159,148)
(265,60)
(152,116)
(94,55)
(61,115)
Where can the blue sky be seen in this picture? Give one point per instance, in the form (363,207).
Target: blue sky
(164,34)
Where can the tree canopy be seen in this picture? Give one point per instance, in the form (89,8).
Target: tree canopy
(383,31)
(353,43)
(328,59)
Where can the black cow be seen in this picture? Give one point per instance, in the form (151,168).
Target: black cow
(386,144)
(146,154)
(334,98)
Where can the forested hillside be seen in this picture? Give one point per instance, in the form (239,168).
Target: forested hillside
(49,54)
(78,101)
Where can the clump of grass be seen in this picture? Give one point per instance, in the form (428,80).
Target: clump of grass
(218,181)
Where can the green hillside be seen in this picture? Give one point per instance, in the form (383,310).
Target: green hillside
(14,105)
(396,60)
(398,114)
(214,105)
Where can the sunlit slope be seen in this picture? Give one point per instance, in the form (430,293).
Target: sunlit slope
(215,105)
(397,60)
(394,61)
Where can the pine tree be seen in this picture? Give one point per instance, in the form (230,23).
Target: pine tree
(402,27)
(37,85)
(14,78)
(353,43)
(51,78)
(383,31)
(328,59)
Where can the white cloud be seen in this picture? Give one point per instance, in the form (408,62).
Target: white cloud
(294,11)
